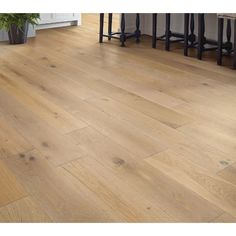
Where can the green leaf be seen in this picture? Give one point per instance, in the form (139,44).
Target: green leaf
(18,19)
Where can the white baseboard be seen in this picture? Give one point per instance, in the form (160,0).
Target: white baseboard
(57,25)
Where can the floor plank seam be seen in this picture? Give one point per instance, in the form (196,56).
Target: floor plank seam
(9,203)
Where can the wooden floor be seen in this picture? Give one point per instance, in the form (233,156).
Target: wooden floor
(100,133)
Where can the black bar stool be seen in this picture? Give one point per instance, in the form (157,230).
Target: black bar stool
(168,33)
(202,40)
(122,35)
(202,44)
(228,45)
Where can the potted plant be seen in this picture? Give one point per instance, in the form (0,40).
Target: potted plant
(17,24)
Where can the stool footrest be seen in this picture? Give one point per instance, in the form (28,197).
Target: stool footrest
(112,35)
(122,35)
(209,48)
(179,37)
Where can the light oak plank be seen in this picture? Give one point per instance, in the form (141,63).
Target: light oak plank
(11,189)
(211,116)
(199,153)
(53,145)
(229,173)
(148,107)
(56,192)
(158,112)
(120,131)
(11,142)
(121,171)
(23,211)
(146,124)
(203,133)
(209,186)
(123,199)
(46,110)
(225,218)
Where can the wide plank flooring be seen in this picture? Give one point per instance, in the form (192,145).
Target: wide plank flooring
(94,132)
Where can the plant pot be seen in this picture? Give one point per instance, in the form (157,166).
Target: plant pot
(18,35)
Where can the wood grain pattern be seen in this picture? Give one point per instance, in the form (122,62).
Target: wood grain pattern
(24,210)
(225,218)
(11,189)
(94,132)
(229,173)
(120,131)
(216,190)
(11,142)
(146,124)
(51,143)
(58,194)
(46,110)
(154,186)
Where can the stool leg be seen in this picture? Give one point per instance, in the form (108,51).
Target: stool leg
(122,27)
(192,36)
(137,32)
(186,27)
(154,30)
(200,35)
(234,58)
(228,36)
(167,44)
(109,25)
(220,40)
(101,27)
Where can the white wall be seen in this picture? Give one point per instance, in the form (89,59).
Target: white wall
(130,19)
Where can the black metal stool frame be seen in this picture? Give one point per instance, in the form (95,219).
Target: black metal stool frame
(228,44)
(168,33)
(122,35)
(189,37)
(201,39)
